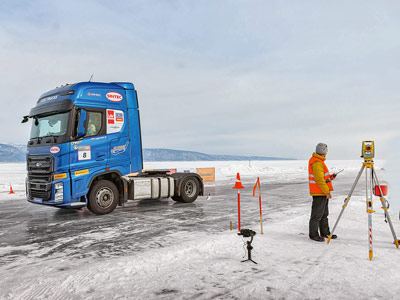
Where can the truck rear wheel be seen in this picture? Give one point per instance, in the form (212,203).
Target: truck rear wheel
(103,197)
(177,198)
(190,189)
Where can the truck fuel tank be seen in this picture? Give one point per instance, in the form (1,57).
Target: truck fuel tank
(140,188)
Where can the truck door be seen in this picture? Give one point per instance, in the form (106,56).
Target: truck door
(118,139)
(89,154)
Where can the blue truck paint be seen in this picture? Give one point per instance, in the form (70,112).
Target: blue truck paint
(63,167)
(109,152)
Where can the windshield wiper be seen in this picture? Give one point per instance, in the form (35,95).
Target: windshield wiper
(51,136)
(39,138)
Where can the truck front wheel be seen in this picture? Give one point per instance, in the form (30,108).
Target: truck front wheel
(190,189)
(103,197)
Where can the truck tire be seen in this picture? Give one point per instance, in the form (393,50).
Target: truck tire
(89,208)
(103,197)
(190,189)
(177,198)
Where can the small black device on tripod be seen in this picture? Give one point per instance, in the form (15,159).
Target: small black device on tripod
(248,233)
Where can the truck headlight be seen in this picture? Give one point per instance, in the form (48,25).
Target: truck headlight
(58,192)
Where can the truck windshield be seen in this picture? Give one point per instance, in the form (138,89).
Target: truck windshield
(50,125)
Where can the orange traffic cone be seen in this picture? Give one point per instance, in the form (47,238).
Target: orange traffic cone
(238,186)
(238,183)
(11,190)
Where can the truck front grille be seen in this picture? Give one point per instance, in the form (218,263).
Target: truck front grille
(40,164)
(40,171)
(39,177)
(40,194)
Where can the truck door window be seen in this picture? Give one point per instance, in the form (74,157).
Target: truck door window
(94,123)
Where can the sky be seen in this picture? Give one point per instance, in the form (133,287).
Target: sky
(269,78)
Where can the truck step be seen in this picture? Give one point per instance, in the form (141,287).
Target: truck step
(78,203)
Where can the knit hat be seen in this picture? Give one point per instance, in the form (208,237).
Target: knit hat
(321,148)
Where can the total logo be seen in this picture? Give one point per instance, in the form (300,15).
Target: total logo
(114,96)
(54,150)
(110,117)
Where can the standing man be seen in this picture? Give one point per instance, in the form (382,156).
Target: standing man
(320,183)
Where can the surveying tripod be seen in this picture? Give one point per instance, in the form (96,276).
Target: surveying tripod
(367,153)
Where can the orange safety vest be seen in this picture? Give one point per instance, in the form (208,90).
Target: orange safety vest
(314,187)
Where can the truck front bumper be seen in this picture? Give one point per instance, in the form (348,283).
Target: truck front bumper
(54,193)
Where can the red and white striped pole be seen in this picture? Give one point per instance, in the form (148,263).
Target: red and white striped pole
(370,211)
(238,186)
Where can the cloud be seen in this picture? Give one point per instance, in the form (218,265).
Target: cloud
(252,78)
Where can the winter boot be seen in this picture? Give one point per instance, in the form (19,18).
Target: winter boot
(317,238)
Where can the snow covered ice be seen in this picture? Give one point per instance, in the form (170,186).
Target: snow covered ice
(168,250)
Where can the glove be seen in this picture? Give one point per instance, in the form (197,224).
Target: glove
(333,176)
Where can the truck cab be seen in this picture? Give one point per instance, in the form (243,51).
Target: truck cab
(85,149)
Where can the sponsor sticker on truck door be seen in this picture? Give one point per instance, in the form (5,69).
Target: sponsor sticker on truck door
(119,149)
(110,116)
(115,120)
(119,117)
(114,96)
(84,153)
(54,149)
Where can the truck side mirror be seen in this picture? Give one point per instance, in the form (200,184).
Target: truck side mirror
(82,124)
(25,119)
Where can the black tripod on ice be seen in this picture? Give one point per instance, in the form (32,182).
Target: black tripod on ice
(248,233)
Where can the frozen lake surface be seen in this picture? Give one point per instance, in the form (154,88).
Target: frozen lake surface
(161,249)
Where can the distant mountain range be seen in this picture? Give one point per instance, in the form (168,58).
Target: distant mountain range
(12,153)
(179,155)
(16,153)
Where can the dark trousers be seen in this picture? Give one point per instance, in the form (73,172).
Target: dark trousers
(319,217)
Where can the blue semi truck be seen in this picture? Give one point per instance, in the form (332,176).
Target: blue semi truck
(85,149)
